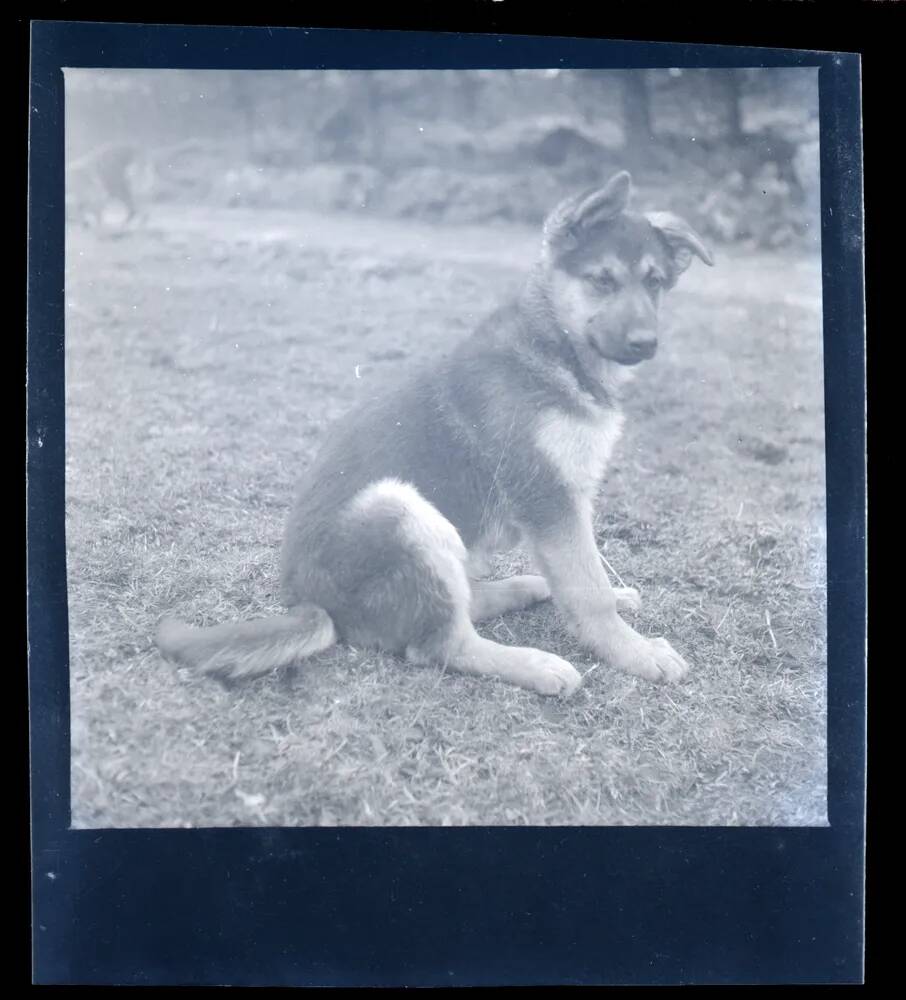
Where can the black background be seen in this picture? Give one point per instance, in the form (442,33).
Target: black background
(455,907)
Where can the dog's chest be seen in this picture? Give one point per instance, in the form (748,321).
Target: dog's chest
(579,449)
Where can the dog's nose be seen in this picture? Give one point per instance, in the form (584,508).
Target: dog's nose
(642,342)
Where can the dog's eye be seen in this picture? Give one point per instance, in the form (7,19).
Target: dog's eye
(654,282)
(603,283)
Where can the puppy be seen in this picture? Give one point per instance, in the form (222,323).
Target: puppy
(504,442)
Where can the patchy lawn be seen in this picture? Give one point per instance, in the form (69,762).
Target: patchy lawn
(208,353)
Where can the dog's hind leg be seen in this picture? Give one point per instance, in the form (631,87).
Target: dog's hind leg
(491,598)
(417,600)
(465,650)
(627,598)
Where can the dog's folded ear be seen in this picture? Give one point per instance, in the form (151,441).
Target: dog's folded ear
(565,226)
(681,238)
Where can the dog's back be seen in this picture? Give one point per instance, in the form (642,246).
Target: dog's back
(460,430)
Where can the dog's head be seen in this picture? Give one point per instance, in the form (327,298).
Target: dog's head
(607,268)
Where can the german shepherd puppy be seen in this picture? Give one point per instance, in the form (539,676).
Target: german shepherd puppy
(506,440)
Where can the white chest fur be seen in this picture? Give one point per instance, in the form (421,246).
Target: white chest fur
(578,448)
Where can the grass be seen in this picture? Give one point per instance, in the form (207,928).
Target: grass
(207,355)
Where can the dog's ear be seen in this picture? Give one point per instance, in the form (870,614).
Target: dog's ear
(565,226)
(681,238)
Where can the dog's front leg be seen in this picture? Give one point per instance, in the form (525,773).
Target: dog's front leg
(569,559)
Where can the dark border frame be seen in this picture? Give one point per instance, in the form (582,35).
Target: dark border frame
(477,906)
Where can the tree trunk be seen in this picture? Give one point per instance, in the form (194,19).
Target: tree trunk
(636,110)
(373,108)
(243,97)
(731,94)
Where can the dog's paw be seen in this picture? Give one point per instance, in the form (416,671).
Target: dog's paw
(533,589)
(671,665)
(628,599)
(654,659)
(550,675)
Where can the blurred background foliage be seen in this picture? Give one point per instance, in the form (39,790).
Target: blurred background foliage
(736,150)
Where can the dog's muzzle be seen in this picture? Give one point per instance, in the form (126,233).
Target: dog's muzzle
(640,346)
(635,348)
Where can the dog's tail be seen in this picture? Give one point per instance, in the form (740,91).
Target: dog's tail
(244,650)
